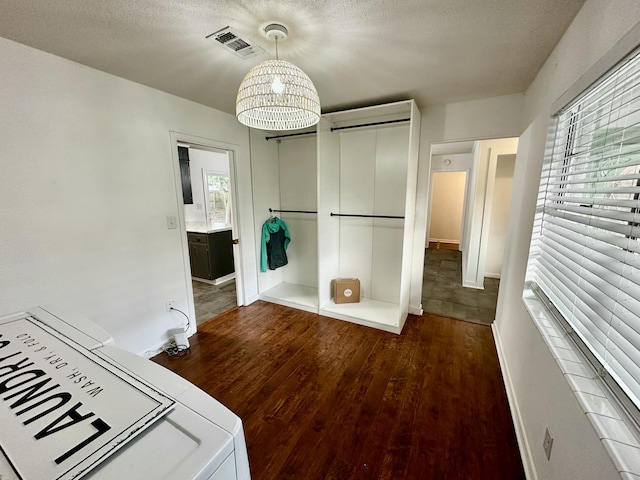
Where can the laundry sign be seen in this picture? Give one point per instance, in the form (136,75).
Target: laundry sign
(63,408)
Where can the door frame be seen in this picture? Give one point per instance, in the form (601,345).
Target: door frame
(211,145)
(479,213)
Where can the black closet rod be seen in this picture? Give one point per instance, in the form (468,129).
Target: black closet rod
(338,128)
(291,211)
(289,135)
(371,124)
(363,216)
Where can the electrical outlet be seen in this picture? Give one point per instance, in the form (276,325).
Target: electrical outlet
(169,305)
(547,443)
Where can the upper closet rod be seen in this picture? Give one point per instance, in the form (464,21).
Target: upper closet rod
(363,216)
(371,124)
(339,128)
(289,135)
(291,211)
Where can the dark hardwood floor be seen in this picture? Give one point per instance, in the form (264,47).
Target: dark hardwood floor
(326,399)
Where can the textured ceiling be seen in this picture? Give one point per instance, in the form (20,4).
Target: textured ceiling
(359,52)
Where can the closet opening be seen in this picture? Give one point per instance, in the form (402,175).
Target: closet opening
(346,194)
(288,169)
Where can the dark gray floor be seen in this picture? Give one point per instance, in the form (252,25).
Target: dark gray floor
(211,300)
(443,293)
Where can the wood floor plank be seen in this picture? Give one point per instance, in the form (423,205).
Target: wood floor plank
(321,398)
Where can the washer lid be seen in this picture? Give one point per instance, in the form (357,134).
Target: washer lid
(64,409)
(182,446)
(82,330)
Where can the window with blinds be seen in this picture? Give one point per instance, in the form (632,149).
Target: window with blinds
(585,253)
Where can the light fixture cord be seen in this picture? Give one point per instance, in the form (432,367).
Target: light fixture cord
(276,37)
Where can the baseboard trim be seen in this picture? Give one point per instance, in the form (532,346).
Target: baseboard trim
(472,285)
(225,279)
(444,240)
(518,423)
(444,245)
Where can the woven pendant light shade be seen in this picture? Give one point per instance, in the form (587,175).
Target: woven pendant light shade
(277,95)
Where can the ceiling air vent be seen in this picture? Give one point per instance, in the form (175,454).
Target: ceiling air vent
(232,41)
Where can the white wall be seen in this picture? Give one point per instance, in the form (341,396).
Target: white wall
(198,160)
(539,394)
(499,215)
(88,180)
(447,204)
(452,162)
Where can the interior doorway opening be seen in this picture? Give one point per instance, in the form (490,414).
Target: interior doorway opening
(470,194)
(210,226)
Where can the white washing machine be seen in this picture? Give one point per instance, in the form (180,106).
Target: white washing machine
(73,405)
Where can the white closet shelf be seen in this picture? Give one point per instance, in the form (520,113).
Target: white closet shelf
(368,312)
(293,295)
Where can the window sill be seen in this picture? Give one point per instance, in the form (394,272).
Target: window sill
(619,437)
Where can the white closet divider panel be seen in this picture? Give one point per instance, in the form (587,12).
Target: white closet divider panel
(413,244)
(328,201)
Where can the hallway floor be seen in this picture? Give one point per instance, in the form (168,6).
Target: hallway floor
(211,300)
(443,293)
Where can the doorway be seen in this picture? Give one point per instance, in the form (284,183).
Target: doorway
(209,223)
(465,243)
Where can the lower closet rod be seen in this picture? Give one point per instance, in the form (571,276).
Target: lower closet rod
(292,211)
(363,216)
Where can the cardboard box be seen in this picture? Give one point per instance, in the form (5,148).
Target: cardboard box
(346,290)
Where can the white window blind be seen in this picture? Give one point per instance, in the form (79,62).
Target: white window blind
(585,253)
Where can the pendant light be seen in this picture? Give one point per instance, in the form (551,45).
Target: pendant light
(277,95)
